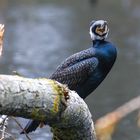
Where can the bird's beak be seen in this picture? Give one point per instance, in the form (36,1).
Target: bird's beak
(101,29)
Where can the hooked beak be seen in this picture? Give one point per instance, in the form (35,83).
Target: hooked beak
(101,30)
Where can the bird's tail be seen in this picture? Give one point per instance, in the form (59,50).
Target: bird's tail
(31,126)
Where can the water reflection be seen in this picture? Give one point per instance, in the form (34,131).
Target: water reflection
(40,34)
(42,29)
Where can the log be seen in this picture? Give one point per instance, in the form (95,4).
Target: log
(47,100)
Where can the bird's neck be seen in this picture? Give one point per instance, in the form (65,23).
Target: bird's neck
(97,42)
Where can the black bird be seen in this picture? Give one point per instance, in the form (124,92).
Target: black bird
(85,70)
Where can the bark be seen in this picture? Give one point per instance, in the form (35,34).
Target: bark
(50,101)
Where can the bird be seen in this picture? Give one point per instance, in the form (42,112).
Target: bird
(85,70)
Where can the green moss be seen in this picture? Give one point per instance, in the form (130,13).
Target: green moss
(59,102)
(38,114)
(64,133)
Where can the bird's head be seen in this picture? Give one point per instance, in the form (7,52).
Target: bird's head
(98,30)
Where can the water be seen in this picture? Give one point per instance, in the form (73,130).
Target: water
(40,34)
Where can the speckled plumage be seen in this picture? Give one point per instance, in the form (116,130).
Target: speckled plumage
(85,70)
(75,69)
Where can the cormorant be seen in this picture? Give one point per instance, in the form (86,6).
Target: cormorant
(85,70)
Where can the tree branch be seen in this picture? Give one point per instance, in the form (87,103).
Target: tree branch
(47,100)
(1,37)
(106,125)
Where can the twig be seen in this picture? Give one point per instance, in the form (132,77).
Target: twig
(9,135)
(21,127)
(4,123)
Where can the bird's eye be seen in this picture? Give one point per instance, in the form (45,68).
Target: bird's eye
(99,25)
(105,23)
(93,29)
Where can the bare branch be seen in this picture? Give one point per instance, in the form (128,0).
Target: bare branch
(105,125)
(1,37)
(4,123)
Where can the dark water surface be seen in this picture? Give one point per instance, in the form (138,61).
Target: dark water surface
(42,33)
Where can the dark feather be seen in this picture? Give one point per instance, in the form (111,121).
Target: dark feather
(76,74)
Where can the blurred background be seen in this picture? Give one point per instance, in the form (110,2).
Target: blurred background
(40,34)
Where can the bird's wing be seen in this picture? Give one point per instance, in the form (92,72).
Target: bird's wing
(77,73)
(75,58)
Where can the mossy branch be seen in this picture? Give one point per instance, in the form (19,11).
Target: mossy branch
(47,100)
